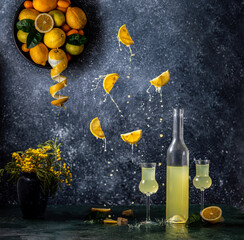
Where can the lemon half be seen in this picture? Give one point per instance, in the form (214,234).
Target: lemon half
(44,23)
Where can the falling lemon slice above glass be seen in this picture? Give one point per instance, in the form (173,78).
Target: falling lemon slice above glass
(96,129)
(161,80)
(109,81)
(132,137)
(124,36)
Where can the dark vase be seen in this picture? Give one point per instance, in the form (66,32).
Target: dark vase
(32,201)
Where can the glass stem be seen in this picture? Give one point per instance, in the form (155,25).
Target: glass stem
(202,200)
(148,209)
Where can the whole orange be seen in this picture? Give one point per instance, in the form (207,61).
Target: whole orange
(76,18)
(44,5)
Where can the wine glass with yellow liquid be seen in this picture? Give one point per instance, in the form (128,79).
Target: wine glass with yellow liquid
(202,180)
(148,186)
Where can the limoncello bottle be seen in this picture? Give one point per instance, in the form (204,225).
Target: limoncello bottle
(177,183)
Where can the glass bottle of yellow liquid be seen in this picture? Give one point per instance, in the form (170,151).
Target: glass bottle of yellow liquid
(177,183)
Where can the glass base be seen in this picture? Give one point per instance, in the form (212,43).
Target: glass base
(149,222)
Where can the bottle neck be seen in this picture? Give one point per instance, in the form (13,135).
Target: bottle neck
(178,132)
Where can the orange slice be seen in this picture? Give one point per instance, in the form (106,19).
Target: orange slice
(124,36)
(109,221)
(101,210)
(109,81)
(132,137)
(211,214)
(161,80)
(96,129)
(44,23)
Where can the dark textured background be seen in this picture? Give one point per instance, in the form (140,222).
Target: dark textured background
(200,42)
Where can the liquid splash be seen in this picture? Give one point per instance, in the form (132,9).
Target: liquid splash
(105,144)
(116,105)
(96,82)
(150,96)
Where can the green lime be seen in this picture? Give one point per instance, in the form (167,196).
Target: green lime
(58,17)
(73,49)
(22,36)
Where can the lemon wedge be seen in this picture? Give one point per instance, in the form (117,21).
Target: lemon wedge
(161,80)
(132,137)
(124,36)
(96,129)
(109,81)
(44,23)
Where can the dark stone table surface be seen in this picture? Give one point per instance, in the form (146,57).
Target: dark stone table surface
(66,222)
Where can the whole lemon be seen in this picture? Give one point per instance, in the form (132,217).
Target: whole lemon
(22,36)
(76,18)
(28,14)
(58,17)
(55,38)
(73,49)
(55,55)
(44,5)
(39,54)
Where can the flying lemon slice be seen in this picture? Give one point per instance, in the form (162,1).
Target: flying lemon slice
(124,36)
(161,80)
(109,81)
(96,129)
(132,137)
(44,23)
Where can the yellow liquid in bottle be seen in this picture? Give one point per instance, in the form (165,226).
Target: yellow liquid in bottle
(177,194)
(202,180)
(148,184)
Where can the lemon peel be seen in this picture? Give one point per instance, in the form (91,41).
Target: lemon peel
(59,62)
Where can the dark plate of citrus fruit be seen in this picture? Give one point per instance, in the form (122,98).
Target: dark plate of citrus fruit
(42,25)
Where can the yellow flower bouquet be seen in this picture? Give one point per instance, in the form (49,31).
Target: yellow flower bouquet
(45,161)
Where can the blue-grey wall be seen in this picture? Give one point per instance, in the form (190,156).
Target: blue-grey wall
(200,42)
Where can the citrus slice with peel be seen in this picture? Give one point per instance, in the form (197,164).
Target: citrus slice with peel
(96,129)
(109,81)
(44,23)
(161,80)
(124,36)
(101,210)
(109,221)
(211,214)
(132,137)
